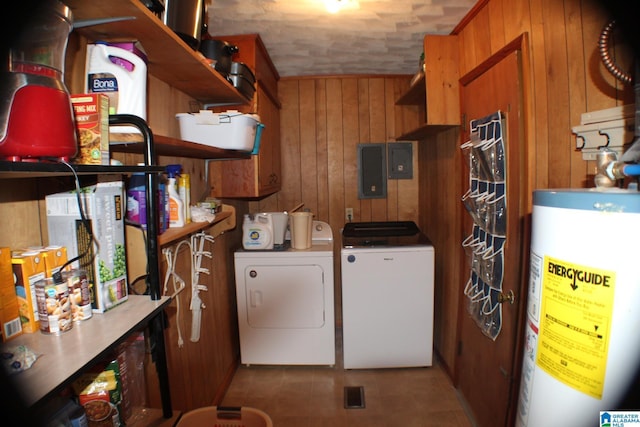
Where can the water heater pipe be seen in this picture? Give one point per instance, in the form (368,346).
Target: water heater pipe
(619,170)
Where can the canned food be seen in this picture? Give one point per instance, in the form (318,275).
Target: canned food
(79,294)
(54,307)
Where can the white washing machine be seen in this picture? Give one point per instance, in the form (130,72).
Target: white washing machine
(387,295)
(286,303)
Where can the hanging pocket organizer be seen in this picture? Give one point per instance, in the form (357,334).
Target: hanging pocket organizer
(486,202)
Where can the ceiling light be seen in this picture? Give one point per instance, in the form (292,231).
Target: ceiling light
(335,6)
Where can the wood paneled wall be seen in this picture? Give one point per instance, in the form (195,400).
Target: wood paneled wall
(565,78)
(567,75)
(323,119)
(440,218)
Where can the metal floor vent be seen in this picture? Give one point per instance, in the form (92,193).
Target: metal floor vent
(354,397)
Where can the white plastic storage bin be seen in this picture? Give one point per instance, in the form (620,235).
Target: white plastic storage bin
(230,130)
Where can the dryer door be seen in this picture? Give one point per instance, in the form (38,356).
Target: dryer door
(284,296)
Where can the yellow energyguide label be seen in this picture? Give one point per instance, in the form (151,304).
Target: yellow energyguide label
(575,323)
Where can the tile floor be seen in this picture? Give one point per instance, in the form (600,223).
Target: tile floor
(313,396)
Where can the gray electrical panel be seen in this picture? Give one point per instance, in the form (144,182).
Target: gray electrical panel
(372,171)
(400,156)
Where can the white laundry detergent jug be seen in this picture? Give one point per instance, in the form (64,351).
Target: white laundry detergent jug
(280,223)
(126,86)
(257,231)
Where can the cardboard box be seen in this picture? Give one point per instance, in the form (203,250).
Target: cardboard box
(28,269)
(91,112)
(55,257)
(104,208)
(9,314)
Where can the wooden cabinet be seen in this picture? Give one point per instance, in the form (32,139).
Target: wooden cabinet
(260,175)
(436,89)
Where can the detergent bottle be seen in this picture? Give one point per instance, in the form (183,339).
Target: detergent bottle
(137,199)
(122,76)
(257,231)
(176,205)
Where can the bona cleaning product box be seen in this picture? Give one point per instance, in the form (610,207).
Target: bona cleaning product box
(104,208)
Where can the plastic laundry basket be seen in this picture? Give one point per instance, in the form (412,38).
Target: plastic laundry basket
(213,416)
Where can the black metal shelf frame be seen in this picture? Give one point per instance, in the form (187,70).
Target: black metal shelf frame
(53,167)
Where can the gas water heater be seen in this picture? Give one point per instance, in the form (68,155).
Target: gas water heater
(582,340)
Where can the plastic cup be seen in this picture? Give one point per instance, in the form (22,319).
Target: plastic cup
(301,223)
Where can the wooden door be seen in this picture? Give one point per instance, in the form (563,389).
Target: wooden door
(488,368)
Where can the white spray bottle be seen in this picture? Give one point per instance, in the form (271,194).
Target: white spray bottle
(176,205)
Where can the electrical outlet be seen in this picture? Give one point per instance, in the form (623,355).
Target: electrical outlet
(348,214)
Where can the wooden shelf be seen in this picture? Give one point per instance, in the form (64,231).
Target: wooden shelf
(63,357)
(416,94)
(435,89)
(170,58)
(225,220)
(423,131)
(167,146)
(42,168)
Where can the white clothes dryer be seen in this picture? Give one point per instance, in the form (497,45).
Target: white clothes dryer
(285,302)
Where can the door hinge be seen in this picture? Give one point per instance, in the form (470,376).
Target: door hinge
(459,348)
(463,122)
